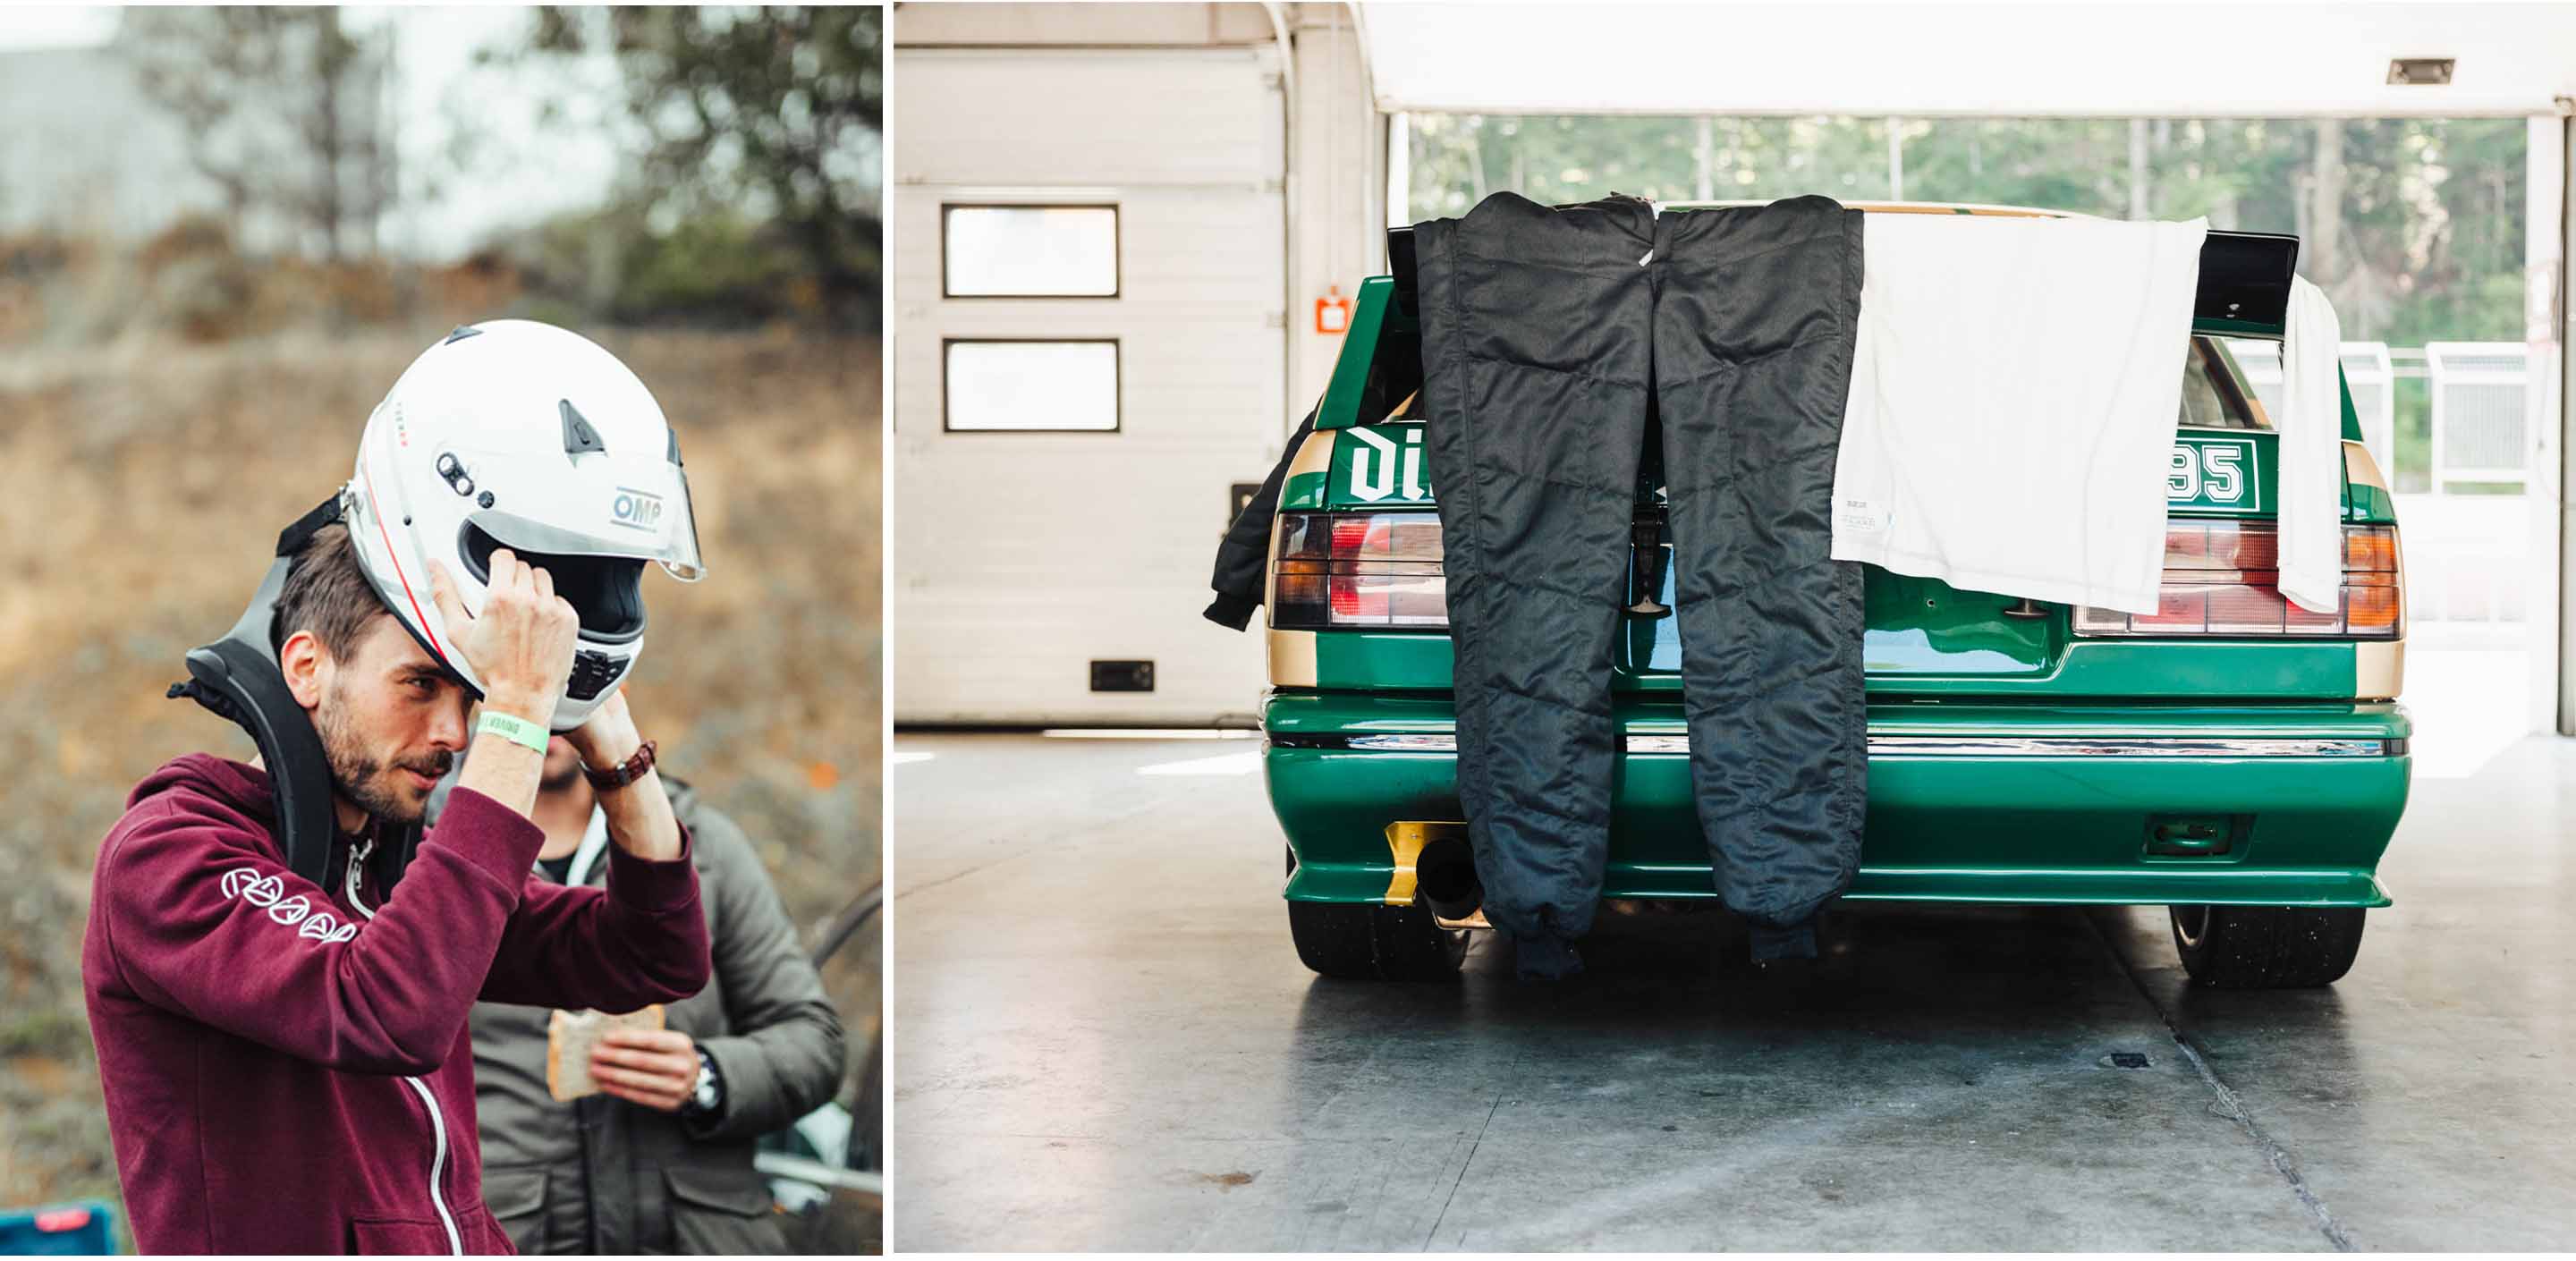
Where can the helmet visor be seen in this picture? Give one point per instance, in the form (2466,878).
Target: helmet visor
(682,560)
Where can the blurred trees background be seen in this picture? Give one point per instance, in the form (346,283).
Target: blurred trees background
(2413,226)
(754,192)
(289,108)
(248,171)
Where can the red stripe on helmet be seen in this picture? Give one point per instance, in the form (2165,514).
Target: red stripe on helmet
(396,561)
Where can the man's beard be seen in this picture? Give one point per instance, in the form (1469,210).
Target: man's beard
(359,777)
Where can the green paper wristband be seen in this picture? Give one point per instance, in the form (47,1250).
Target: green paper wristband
(513,728)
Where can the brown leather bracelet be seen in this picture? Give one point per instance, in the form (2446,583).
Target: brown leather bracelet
(623,773)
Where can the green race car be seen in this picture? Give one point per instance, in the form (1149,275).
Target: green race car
(2236,758)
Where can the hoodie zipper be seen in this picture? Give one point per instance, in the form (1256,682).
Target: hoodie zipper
(358,863)
(437,1164)
(437,1123)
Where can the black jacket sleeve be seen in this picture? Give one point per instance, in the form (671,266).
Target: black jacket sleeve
(1242,560)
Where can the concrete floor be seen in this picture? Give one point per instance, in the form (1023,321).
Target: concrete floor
(1103,1040)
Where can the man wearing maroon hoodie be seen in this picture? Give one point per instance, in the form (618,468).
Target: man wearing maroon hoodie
(285,1064)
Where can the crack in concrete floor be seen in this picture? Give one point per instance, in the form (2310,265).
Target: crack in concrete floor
(2281,1160)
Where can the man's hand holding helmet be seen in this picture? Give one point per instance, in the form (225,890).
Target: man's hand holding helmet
(521,644)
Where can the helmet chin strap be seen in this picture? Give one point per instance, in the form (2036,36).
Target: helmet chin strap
(237,678)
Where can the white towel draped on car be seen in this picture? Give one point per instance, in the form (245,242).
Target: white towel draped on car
(2311,429)
(2014,393)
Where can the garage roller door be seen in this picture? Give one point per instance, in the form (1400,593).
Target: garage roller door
(1062,464)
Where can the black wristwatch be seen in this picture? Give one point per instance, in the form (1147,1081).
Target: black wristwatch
(709,1094)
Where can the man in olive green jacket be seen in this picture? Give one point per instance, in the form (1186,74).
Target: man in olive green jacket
(661,1161)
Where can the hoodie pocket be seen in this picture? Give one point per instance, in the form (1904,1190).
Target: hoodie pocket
(389,1237)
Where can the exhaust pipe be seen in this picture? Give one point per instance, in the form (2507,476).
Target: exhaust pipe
(1444,879)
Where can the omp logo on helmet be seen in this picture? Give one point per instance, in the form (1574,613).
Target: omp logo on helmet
(1385,467)
(268,892)
(636,509)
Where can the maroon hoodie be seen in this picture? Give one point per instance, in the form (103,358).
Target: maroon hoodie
(286,1066)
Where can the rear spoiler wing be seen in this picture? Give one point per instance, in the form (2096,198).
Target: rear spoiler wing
(2244,291)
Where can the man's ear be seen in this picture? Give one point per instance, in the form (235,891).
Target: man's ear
(304,662)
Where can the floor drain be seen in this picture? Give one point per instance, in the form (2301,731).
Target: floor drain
(2128,1059)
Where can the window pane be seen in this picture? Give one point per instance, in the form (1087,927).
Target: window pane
(2259,361)
(1033,385)
(1032,251)
(2209,397)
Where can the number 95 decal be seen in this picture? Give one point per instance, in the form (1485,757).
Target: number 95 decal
(2213,473)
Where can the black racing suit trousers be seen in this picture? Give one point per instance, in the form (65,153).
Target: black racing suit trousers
(1546,335)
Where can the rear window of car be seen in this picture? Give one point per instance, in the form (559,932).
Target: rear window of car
(2211,395)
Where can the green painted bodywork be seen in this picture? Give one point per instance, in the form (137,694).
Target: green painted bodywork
(1907,663)
(1994,829)
(1376,319)
(1939,661)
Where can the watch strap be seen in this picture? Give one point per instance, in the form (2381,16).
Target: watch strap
(623,773)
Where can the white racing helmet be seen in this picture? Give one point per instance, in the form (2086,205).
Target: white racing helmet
(516,434)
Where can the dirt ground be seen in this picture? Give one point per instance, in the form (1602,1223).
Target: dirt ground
(141,489)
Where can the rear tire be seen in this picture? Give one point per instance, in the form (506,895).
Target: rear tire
(2266,947)
(1363,941)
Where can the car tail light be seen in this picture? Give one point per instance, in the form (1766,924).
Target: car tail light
(1338,570)
(2223,578)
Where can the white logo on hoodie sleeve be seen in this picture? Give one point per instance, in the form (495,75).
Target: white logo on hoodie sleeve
(268,892)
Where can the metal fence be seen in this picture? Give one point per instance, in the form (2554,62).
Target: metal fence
(2372,376)
(2476,398)
(2480,431)
(2466,552)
